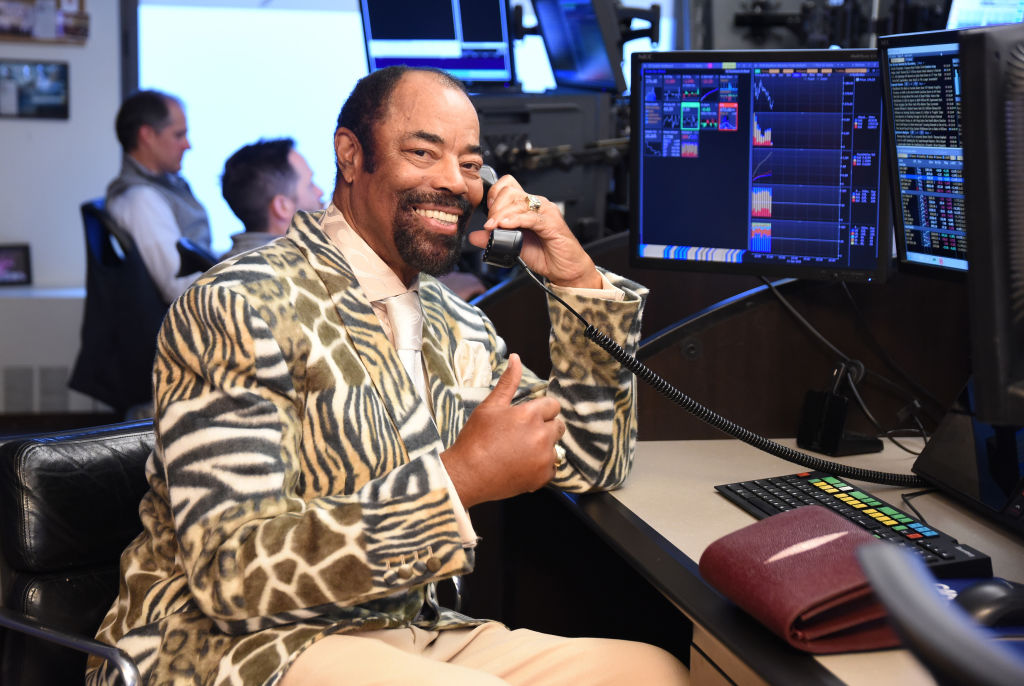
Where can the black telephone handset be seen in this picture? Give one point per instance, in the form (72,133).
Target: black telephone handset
(504,245)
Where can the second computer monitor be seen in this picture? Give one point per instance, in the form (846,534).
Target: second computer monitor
(921,85)
(759,162)
(468,39)
(582,39)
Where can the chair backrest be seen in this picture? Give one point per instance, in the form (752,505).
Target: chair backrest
(194,257)
(68,507)
(123,314)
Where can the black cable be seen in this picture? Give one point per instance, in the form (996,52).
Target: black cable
(882,353)
(807,325)
(817,334)
(907,497)
(721,423)
(847,359)
(871,418)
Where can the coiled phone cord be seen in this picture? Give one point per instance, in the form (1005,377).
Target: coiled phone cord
(719,422)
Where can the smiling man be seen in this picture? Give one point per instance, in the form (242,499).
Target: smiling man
(312,481)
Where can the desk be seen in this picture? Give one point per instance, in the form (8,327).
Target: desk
(667,514)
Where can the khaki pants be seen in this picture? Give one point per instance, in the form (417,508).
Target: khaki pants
(487,655)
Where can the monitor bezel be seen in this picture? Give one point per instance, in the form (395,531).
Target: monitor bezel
(476,85)
(611,36)
(882,266)
(903,40)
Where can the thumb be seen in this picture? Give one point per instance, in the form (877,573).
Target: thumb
(479,238)
(505,390)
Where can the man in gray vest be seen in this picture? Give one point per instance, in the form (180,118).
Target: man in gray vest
(149,198)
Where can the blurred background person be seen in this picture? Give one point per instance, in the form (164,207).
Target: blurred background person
(149,199)
(265,183)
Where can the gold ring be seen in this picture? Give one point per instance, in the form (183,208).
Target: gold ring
(532,203)
(559,458)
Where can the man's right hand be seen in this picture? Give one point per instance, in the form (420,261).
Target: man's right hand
(505,449)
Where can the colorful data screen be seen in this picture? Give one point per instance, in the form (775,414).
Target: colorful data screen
(760,162)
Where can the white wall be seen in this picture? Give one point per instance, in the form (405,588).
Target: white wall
(48,167)
(248,74)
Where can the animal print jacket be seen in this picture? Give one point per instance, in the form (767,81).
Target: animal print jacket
(296,484)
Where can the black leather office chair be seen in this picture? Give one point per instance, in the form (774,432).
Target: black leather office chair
(123,313)
(942,636)
(68,508)
(194,257)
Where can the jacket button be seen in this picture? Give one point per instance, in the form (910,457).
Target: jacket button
(433,564)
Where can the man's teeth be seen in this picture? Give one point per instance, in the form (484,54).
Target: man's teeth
(439,215)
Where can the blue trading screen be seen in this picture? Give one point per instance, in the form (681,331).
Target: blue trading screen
(923,117)
(770,166)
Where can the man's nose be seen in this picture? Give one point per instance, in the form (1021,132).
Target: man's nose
(450,177)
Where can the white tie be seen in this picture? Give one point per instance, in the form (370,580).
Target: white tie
(407,326)
(406,317)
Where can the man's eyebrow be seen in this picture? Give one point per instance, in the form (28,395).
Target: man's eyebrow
(429,137)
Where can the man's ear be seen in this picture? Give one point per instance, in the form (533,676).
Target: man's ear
(348,152)
(145,135)
(281,208)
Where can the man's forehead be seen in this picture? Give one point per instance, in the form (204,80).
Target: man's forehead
(423,93)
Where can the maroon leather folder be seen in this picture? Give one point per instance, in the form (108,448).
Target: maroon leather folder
(797,573)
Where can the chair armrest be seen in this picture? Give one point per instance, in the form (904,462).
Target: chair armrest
(23,623)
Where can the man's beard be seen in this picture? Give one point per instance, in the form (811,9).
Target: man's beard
(426,251)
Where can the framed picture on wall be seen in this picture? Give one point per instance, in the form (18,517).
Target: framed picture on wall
(46,21)
(15,265)
(33,89)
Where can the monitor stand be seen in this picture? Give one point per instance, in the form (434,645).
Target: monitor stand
(978,463)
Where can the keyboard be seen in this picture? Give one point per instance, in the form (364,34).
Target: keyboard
(945,556)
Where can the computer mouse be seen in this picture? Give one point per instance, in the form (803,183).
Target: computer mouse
(994,602)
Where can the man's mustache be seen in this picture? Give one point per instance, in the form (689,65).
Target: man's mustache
(410,198)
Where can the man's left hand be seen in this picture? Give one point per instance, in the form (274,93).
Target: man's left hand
(549,246)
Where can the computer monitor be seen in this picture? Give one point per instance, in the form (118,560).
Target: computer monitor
(969,13)
(468,39)
(977,452)
(583,42)
(921,90)
(765,162)
(993,116)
